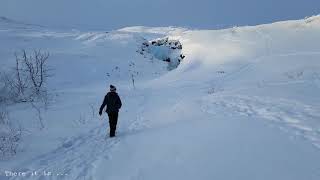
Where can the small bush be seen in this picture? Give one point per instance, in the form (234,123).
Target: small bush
(9,136)
(26,82)
(28,79)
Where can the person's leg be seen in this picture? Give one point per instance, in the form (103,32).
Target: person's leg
(110,123)
(113,123)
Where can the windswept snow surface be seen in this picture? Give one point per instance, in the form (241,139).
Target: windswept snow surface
(243,104)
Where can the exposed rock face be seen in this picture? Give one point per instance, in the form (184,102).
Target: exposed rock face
(163,49)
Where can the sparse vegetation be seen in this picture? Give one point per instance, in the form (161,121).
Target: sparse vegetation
(9,135)
(26,83)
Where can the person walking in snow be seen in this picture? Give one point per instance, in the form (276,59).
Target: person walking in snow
(113,103)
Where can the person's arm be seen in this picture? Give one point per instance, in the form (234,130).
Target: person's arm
(119,102)
(103,105)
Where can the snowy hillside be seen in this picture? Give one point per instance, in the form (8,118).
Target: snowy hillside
(242,103)
(115,14)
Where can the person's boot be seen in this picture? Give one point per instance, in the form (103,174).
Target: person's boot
(112,133)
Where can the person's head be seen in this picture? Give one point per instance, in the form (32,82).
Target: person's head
(113,88)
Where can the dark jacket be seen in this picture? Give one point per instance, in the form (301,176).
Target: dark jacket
(112,101)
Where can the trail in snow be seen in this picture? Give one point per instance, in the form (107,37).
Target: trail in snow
(77,157)
(74,159)
(303,119)
(215,139)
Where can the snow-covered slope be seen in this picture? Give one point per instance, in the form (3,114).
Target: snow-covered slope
(115,14)
(243,104)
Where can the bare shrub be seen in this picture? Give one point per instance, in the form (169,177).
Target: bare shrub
(86,117)
(93,110)
(28,79)
(81,121)
(133,73)
(36,67)
(3,89)
(9,135)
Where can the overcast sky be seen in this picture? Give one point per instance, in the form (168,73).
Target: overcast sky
(113,14)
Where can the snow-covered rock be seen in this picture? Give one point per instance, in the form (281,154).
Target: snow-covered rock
(163,49)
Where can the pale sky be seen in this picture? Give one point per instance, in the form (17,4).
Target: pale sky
(114,14)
